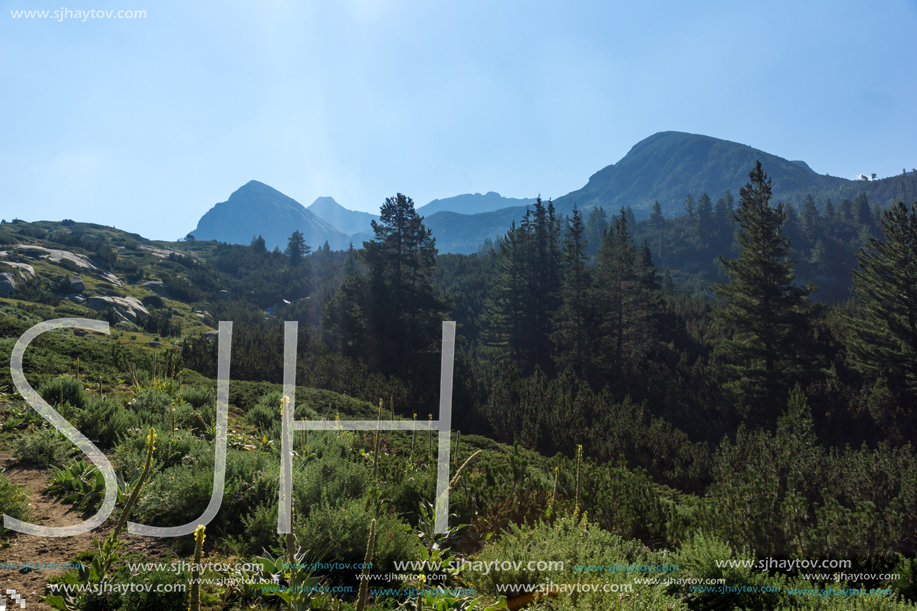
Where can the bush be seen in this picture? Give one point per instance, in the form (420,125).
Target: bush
(13,501)
(340,532)
(63,390)
(332,479)
(104,420)
(141,600)
(266,412)
(199,396)
(43,448)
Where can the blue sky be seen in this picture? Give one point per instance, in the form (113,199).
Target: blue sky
(144,124)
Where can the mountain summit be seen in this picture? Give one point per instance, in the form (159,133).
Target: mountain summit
(342,219)
(667,166)
(257,209)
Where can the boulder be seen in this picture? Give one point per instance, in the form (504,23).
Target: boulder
(156,286)
(128,307)
(76,298)
(224,294)
(76,284)
(7,284)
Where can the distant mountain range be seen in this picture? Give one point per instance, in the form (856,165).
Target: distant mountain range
(473,204)
(257,209)
(665,167)
(342,219)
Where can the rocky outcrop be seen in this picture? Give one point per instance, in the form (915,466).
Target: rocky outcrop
(76,284)
(81,261)
(128,307)
(7,284)
(156,286)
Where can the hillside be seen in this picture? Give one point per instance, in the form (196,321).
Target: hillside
(257,209)
(473,203)
(667,166)
(344,220)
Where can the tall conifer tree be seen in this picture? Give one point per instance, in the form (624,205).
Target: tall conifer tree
(764,311)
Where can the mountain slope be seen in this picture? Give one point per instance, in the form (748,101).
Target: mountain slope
(667,166)
(462,233)
(257,209)
(344,220)
(473,203)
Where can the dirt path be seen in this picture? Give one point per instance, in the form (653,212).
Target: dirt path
(47,511)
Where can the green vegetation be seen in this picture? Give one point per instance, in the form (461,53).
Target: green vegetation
(607,408)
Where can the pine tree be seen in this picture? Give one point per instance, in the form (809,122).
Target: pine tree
(527,288)
(620,298)
(691,207)
(573,323)
(723,212)
(596,223)
(405,316)
(884,342)
(811,223)
(705,216)
(258,245)
(862,211)
(657,227)
(764,310)
(504,313)
(296,248)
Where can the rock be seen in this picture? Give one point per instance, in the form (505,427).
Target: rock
(224,294)
(80,332)
(76,298)
(156,286)
(7,284)
(154,344)
(81,261)
(128,307)
(211,334)
(76,284)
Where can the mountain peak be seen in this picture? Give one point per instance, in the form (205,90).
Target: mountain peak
(259,209)
(344,220)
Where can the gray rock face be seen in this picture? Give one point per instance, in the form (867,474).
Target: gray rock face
(7,284)
(128,307)
(76,284)
(156,286)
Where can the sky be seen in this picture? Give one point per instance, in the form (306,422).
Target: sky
(145,123)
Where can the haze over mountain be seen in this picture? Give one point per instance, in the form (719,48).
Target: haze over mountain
(473,203)
(665,167)
(257,209)
(344,220)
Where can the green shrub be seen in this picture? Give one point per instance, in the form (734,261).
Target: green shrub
(63,390)
(568,540)
(43,447)
(14,501)
(199,396)
(103,421)
(266,412)
(698,557)
(333,478)
(339,533)
(140,600)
